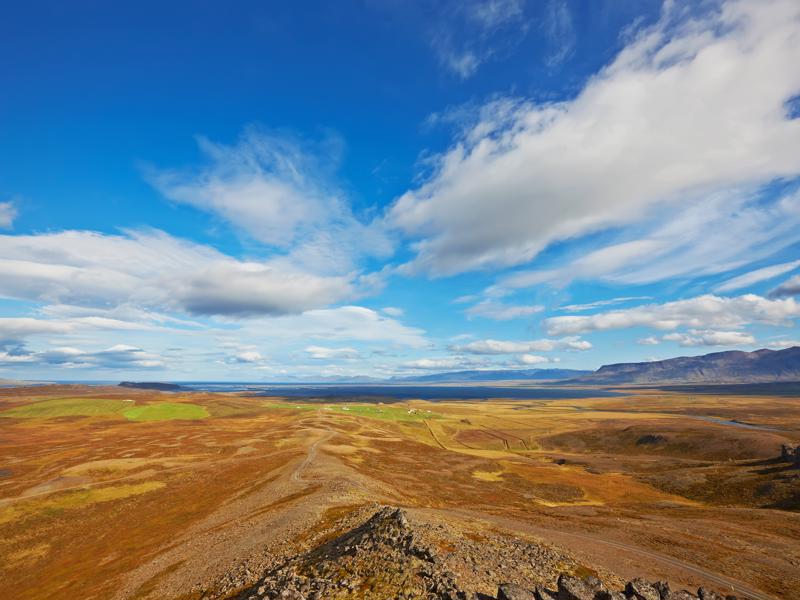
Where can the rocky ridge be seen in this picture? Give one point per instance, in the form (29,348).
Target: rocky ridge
(387,557)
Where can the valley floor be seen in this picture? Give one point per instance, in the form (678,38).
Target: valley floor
(121,493)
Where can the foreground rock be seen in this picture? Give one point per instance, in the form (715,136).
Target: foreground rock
(791,454)
(388,558)
(591,588)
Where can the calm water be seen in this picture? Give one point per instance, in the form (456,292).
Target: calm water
(401,392)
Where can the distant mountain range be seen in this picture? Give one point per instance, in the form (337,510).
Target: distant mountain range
(732,367)
(498,375)
(760,366)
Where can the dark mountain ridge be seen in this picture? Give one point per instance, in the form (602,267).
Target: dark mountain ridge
(734,366)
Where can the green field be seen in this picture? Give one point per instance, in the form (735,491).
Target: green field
(373,411)
(67,407)
(100,407)
(166,411)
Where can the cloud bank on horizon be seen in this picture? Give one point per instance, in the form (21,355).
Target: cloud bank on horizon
(499,205)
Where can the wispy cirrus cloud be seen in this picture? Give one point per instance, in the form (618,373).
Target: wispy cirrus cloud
(560,32)
(701,312)
(499,311)
(466,35)
(756,276)
(281,190)
(8,212)
(517,347)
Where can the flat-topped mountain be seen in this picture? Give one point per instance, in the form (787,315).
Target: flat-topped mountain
(760,366)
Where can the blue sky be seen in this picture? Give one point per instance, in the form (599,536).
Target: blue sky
(265,191)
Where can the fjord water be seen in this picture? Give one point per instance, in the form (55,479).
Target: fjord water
(402,392)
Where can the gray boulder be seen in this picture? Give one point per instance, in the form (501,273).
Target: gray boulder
(639,589)
(574,588)
(512,591)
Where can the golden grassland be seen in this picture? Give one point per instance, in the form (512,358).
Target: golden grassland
(93,494)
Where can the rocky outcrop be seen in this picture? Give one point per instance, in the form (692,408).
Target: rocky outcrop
(388,558)
(791,454)
(382,559)
(591,588)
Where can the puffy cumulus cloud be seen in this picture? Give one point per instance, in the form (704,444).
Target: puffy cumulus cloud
(278,190)
(756,276)
(711,338)
(439,364)
(8,212)
(498,311)
(532,359)
(649,341)
(152,269)
(510,347)
(701,312)
(692,105)
(232,288)
(790,287)
(117,357)
(325,353)
(248,356)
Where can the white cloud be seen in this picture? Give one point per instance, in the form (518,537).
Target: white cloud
(724,231)
(747,279)
(601,303)
(17,329)
(702,312)
(510,347)
(790,287)
(782,344)
(350,323)
(154,270)
(248,289)
(649,341)
(490,14)
(325,353)
(249,356)
(437,364)
(393,311)
(648,129)
(117,357)
(8,212)
(532,359)
(560,32)
(432,363)
(498,311)
(711,338)
(278,189)
(466,34)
